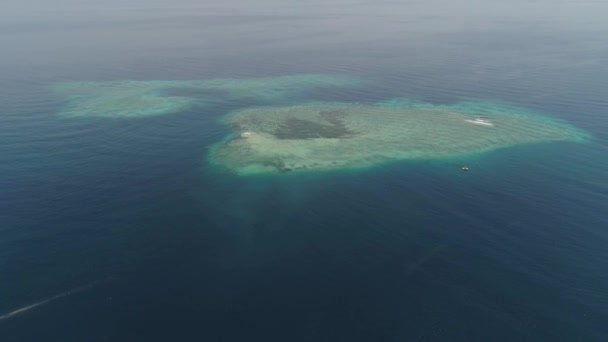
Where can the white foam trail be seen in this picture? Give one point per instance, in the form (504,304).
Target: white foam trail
(27,308)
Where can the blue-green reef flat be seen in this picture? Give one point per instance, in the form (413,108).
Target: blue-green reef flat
(317,136)
(325,136)
(131,99)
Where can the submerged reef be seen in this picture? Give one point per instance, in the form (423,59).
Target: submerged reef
(270,134)
(129,99)
(326,136)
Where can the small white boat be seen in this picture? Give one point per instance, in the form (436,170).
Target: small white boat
(480,122)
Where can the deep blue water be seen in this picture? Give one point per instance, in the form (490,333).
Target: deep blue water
(169,249)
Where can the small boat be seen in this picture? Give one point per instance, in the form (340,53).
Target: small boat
(465,168)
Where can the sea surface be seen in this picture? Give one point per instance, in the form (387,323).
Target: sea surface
(118,229)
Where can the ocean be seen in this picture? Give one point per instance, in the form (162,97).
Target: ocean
(120,229)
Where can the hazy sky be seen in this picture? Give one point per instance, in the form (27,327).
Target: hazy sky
(42,32)
(589,13)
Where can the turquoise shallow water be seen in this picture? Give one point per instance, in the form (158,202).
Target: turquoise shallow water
(317,136)
(118,228)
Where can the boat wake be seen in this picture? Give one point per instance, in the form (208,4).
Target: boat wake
(30,307)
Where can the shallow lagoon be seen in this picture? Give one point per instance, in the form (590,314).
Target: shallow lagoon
(280,128)
(326,136)
(133,99)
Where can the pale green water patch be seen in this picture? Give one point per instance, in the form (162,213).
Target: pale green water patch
(329,136)
(127,99)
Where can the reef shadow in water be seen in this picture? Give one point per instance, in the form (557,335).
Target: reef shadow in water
(294,128)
